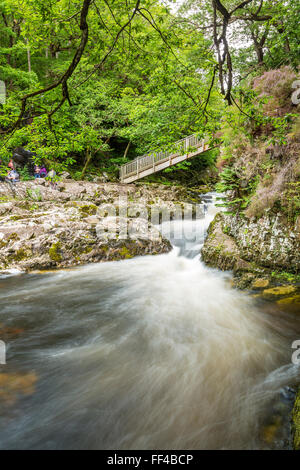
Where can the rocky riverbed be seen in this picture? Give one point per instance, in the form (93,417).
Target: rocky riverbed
(79,222)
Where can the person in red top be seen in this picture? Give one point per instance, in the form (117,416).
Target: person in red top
(11,164)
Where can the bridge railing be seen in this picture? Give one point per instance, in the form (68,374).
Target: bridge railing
(144,162)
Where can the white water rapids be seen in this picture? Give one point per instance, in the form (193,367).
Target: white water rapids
(155,352)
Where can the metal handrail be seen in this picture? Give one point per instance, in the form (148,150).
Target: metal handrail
(148,160)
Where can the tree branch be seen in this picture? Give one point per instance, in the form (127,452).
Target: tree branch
(65,77)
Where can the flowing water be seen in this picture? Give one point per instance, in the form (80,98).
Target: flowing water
(152,352)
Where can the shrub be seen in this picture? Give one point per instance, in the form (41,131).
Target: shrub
(277,86)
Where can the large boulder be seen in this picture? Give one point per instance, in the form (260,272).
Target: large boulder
(22,157)
(220,249)
(257,250)
(42,228)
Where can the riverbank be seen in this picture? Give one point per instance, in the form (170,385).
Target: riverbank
(263,254)
(264,257)
(79,222)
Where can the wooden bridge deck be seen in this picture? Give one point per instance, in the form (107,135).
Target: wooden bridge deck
(148,164)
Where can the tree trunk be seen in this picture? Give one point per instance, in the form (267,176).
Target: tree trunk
(126,151)
(28,56)
(87,162)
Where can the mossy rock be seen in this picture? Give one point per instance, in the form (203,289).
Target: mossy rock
(280,290)
(125,253)
(54,252)
(296,422)
(294,299)
(19,217)
(19,255)
(13,237)
(87,209)
(219,249)
(260,283)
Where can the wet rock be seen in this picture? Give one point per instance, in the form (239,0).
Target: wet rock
(269,241)
(65,175)
(296,422)
(260,283)
(7,333)
(14,384)
(271,430)
(265,247)
(281,290)
(290,300)
(220,249)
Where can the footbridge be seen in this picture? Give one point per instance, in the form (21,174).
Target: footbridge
(146,165)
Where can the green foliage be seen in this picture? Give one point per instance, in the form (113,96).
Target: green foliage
(149,91)
(34,194)
(24,174)
(229,181)
(141,88)
(291,200)
(238,194)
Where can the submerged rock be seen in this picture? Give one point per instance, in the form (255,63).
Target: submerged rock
(281,290)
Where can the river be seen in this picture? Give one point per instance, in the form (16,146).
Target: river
(151,352)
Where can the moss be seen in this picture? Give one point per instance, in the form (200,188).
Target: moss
(87,249)
(212,225)
(82,250)
(281,290)
(296,422)
(125,253)
(18,217)
(34,194)
(87,209)
(260,283)
(54,252)
(285,276)
(4,199)
(19,255)
(37,216)
(295,299)
(13,236)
